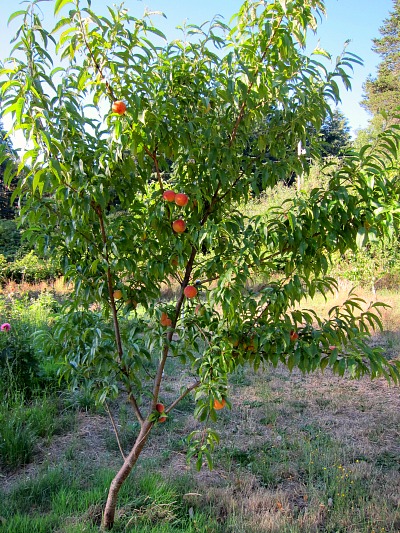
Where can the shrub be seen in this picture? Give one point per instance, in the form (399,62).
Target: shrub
(10,239)
(31,268)
(23,367)
(18,362)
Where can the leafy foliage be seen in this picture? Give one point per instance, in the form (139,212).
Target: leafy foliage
(21,362)
(10,239)
(31,268)
(94,192)
(7,155)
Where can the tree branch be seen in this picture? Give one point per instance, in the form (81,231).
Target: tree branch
(95,62)
(185,393)
(110,283)
(250,85)
(178,307)
(113,306)
(115,430)
(136,409)
(153,156)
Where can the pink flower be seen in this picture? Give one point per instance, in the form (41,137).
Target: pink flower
(5,327)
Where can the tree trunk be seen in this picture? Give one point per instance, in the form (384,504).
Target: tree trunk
(125,470)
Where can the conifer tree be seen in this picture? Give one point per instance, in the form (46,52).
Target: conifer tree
(382,93)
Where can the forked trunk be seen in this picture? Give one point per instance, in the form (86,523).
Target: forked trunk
(125,470)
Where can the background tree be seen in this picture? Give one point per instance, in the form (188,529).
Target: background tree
(140,158)
(369,134)
(335,135)
(382,93)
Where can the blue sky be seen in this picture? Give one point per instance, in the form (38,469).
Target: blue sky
(357,20)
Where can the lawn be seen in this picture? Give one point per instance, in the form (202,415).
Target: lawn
(298,453)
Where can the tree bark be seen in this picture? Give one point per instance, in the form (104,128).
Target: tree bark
(123,473)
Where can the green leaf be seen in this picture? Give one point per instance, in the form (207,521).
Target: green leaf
(36,178)
(60,4)
(15,15)
(362,237)
(19,106)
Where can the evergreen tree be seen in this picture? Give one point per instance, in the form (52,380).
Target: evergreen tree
(383,92)
(335,135)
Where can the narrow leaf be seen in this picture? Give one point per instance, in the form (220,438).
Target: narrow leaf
(60,4)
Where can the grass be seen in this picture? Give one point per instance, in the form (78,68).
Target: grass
(68,498)
(26,425)
(298,454)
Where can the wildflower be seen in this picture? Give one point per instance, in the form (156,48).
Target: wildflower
(5,327)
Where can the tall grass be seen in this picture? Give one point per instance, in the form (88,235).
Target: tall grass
(29,413)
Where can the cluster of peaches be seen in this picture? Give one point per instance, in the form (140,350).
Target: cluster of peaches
(181,199)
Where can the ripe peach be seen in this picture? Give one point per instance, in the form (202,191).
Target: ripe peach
(119,107)
(294,336)
(160,407)
(219,404)
(117,294)
(165,320)
(181,199)
(169,195)
(179,225)
(190,291)
(162,419)
(174,261)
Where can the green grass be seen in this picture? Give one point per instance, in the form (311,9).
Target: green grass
(24,424)
(70,500)
(17,441)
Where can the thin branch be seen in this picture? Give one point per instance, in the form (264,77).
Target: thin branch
(240,117)
(185,393)
(115,430)
(177,277)
(250,85)
(136,409)
(113,306)
(178,307)
(110,283)
(95,62)
(153,156)
(206,339)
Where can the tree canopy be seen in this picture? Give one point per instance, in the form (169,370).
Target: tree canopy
(142,158)
(335,135)
(382,93)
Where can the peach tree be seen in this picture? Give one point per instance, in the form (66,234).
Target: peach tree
(141,156)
